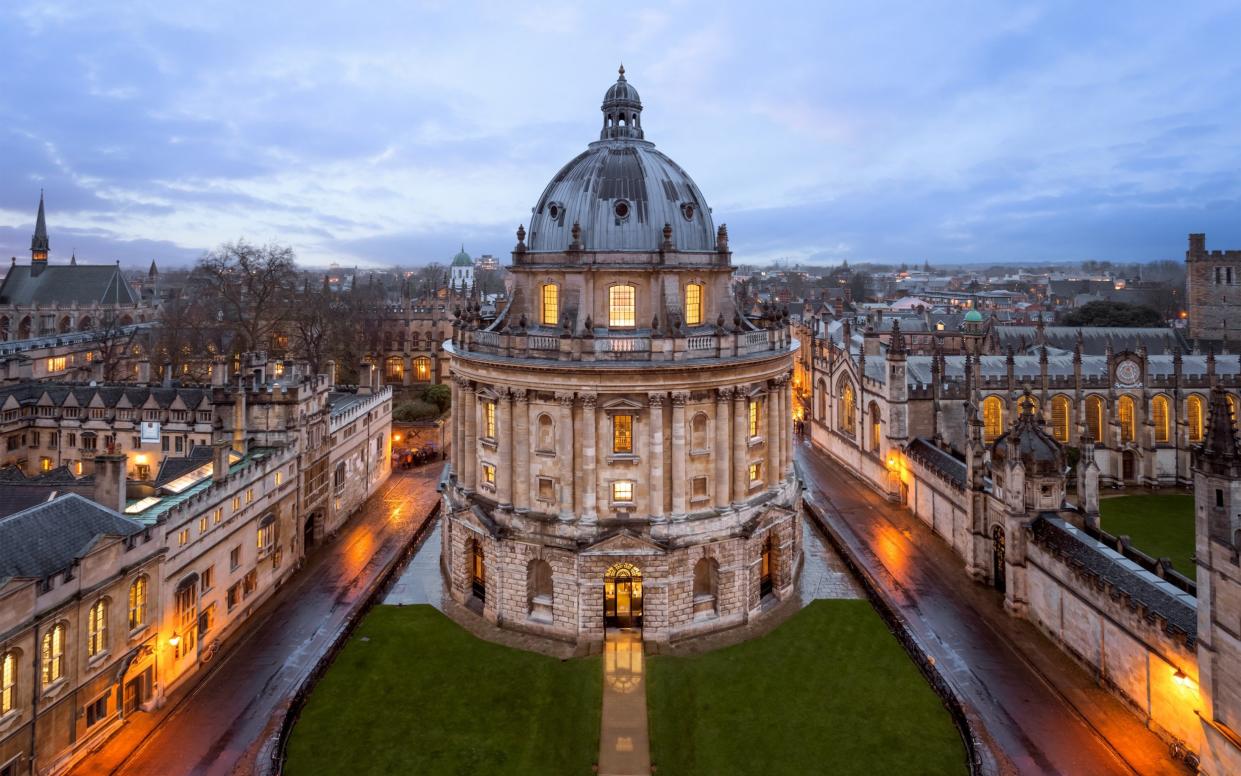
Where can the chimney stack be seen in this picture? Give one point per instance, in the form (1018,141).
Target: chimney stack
(219,461)
(219,372)
(167,374)
(144,371)
(366,379)
(110,481)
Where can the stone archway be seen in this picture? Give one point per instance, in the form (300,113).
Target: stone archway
(622,596)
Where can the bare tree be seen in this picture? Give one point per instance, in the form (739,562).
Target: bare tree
(114,340)
(253,287)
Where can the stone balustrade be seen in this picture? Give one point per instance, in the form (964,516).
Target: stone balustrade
(639,345)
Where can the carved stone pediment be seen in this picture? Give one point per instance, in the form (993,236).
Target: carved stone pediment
(624,543)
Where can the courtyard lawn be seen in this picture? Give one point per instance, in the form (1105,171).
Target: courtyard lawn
(412,692)
(830,691)
(1160,526)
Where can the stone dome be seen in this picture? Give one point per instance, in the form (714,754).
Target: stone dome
(622,192)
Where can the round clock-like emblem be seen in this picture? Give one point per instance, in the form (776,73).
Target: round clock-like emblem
(1128,373)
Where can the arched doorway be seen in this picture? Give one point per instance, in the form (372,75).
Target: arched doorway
(767,568)
(478,572)
(622,597)
(997,557)
(1127,466)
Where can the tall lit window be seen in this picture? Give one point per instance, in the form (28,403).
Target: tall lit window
(1232,407)
(754,412)
(52,654)
(57,364)
(1060,408)
(422,369)
(846,413)
(138,603)
(1125,415)
(1094,418)
(875,427)
(97,629)
(1160,416)
(622,490)
(489,419)
(187,619)
(621,306)
(1193,413)
(394,368)
(622,433)
(756,472)
(693,304)
(8,683)
(992,418)
(551,304)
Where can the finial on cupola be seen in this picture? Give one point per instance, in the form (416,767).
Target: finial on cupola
(576,231)
(667,245)
(521,239)
(721,238)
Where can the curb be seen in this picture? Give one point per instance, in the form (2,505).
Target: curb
(272,754)
(982,761)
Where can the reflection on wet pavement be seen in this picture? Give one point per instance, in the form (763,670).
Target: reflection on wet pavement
(421,582)
(624,744)
(824,574)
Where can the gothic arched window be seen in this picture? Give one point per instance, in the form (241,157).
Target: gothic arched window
(1193,414)
(1125,416)
(1161,418)
(876,427)
(846,412)
(1094,418)
(1061,409)
(992,418)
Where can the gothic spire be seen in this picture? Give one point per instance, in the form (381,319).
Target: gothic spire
(1221,438)
(38,242)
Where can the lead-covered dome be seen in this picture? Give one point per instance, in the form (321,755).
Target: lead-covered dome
(621,191)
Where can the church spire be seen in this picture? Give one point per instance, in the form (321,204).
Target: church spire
(38,243)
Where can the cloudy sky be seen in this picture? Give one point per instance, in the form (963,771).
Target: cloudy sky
(390,132)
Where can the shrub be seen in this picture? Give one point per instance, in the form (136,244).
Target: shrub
(416,409)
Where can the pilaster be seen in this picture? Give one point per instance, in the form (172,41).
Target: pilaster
(656,488)
(679,455)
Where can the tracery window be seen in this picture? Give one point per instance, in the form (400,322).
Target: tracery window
(693,304)
(846,413)
(1161,418)
(1094,418)
(992,418)
(622,434)
(187,618)
(1060,411)
(8,683)
(622,310)
(1232,407)
(422,369)
(138,598)
(97,629)
(551,304)
(875,428)
(1125,416)
(394,368)
(1193,414)
(52,654)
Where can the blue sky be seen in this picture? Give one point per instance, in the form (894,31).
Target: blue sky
(391,132)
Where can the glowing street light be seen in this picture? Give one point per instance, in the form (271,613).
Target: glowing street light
(174,640)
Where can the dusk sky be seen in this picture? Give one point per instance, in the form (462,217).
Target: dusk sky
(391,132)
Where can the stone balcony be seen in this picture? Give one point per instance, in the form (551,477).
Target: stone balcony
(605,345)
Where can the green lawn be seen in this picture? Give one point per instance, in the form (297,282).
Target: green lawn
(413,693)
(1160,526)
(830,691)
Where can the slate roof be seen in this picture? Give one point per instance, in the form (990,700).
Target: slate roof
(64,284)
(938,460)
(31,392)
(1095,339)
(46,539)
(1154,597)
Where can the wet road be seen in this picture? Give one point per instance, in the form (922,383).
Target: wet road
(1039,708)
(219,726)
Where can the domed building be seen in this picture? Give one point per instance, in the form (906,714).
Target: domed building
(622,452)
(462,271)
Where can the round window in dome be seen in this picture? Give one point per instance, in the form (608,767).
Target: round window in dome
(621,209)
(687,210)
(554,210)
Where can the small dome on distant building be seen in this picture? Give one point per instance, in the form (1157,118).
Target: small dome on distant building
(973,316)
(462,259)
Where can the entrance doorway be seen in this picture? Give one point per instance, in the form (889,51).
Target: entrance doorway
(308,532)
(1126,466)
(622,597)
(766,569)
(997,557)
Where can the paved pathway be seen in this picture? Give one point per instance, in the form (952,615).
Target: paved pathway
(220,725)
(624,743)
(1039,707)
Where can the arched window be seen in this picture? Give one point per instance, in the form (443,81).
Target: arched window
(547,433)
(478,569)
(992,418)
(338,477)
(698,432)
(539,589)
(65,325)
(97,629)
(1094,418)
(23,328)
(422,369)
(706,586)
(52,654)
(693,304)
(846,411)
(876,428)
(394,368)
(551,304)
(622,306)
(1193,414)
(138,603)
(415,341)
(1161,418)
(822,396)
(8,682)
(1125,416)
(1061,408)
(1232,407)
(186,605)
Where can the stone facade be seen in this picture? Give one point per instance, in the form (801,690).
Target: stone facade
(622,433)
(1213,291)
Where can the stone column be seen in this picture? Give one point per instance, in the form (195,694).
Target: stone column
(722,452)
(656,402)
(457,414)
(741,445)
(469,440)
(786,427)
(680,456)
(590,479)
(504,477)
(564,454)
(521,450)
(775,455)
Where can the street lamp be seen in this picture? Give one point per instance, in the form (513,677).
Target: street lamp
(174,640)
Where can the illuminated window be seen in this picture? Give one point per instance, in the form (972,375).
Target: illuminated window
(756,472)
(52,654)
(97,629)
(846,411)
(249,495)
(57,364)
(1060,409)
(1193,411)
(202,525)
(236,503)
(422,369)
(1232,407)
(1094,418)
(489,474)
(138,603)
(394,368)
(183,537)
(875,427)
(8,683)
(622,433)
(266,539)
(754,410)
(1125,415)
(279,478)
(187,619)
(992,418)
(622,490)
(621,306)
(1161,418)
(693,304)
(489,419)
(551,304)
(219,515)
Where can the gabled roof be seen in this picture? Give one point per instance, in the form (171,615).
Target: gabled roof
(48,538)
(64,284)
